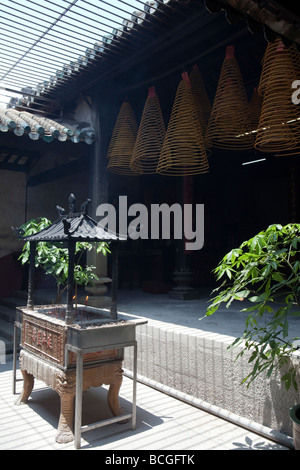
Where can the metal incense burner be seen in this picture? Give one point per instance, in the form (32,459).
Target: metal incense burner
(72,348)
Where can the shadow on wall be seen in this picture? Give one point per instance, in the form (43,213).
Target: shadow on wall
(284,399)
(199,364)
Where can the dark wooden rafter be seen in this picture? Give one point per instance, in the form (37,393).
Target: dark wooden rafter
(15,159)
(61,171)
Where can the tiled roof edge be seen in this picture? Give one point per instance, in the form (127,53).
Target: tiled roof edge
(37,127)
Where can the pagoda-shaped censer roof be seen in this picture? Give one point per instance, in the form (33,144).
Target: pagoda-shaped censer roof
(73,226)
(70,228)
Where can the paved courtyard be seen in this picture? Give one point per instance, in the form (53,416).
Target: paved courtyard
(163,422)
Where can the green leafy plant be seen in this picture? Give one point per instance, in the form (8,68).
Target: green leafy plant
(265,270)
(53,258)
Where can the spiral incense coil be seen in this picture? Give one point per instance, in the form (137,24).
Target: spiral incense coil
(229,124)
(150,136)
(122,142)
(202,103)
(183,151)
(279,129)
(255,105)
(272,50)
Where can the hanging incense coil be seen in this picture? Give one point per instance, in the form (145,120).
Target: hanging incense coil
(255,105)
(122,142)
(202,102)
(229,125)
(150,136)
(279,122)
(295,150)
(271,52)
(183,151)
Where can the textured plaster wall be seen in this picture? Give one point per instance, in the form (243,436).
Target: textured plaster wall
(43,199)
(12,197)
(41,202)
(198,363)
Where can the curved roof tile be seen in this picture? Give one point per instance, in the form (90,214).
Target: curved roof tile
(23,122)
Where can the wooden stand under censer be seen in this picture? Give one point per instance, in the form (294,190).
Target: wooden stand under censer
(74,348)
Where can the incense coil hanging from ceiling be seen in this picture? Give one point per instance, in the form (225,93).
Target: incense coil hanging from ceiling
(183,151)
(271,52)
(150,136)
(295,150)
(229,125)
(122,142)
(255,105)
(279,125)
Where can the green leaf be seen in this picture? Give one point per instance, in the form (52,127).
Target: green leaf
(277,277)
(228,272)
(242,293)
(265,270)
(211,310)
(253,356)
(270,370)
(259,298)
(285,330)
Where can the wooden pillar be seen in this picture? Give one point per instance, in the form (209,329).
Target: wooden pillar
(104,112)
(98,178)
(183,275)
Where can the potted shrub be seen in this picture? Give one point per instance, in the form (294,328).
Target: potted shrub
(265,270)
(53,258)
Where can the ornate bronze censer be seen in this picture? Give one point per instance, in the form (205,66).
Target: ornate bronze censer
(74,348)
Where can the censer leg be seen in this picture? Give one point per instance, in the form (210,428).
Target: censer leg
(65,387)
(28,384)
(113,393)
(66,419)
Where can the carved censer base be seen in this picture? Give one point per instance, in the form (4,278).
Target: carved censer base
(64,383)
(45,356)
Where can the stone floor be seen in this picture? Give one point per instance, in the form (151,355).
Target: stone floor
(163,422)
